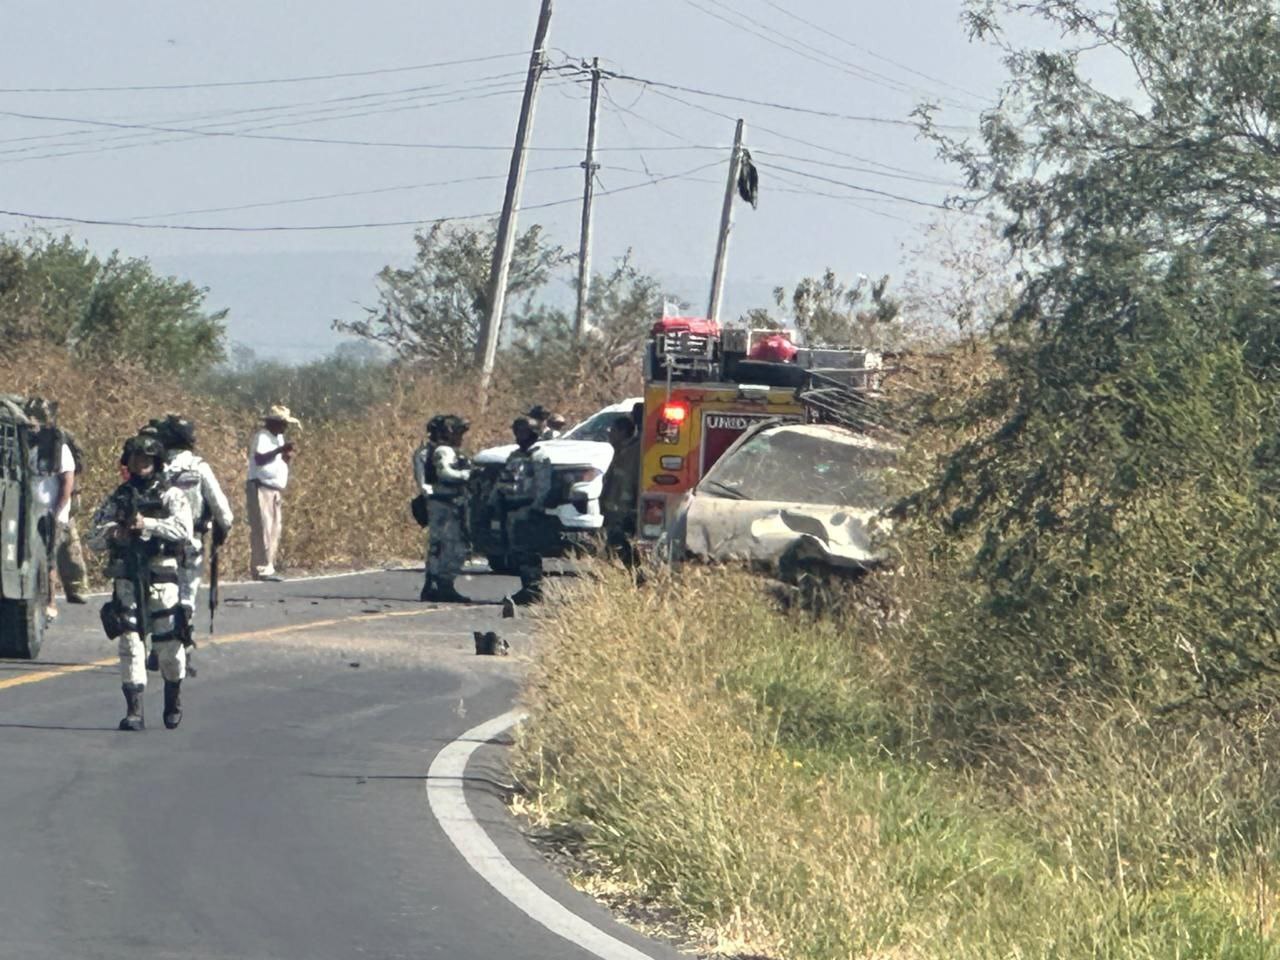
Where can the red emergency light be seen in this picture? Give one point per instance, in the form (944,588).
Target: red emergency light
(670,417)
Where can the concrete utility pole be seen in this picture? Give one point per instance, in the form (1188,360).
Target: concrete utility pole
(491,326)
(588,195)
(726,224)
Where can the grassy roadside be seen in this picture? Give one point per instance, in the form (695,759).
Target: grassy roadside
(766,776)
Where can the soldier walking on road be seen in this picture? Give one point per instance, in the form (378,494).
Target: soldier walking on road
(145,526)
(209,509)
(517,497)
(446,473)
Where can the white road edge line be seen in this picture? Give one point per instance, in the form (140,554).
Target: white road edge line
(447,796)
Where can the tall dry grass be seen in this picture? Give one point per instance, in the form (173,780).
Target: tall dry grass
(760,772)
(350,484)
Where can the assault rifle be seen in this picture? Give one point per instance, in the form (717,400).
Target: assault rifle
(130,504)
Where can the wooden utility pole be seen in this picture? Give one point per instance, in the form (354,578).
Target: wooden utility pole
(491,326)
(588,195)
(726,225)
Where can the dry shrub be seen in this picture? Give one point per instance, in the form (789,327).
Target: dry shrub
(754,769)
(350,484)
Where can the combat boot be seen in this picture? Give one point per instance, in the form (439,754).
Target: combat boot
(133,701)
(429,590)
(446,593)
(172,703)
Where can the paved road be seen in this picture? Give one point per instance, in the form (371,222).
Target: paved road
(287,817)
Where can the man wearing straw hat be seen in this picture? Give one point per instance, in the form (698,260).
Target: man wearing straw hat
(269,456)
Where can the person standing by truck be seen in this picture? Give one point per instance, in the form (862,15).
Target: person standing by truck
(516,494)
(145,526)
(622,488)
(446,473)
(54,467)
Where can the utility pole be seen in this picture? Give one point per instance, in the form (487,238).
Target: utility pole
(491,326)
(726,225)
(588,195)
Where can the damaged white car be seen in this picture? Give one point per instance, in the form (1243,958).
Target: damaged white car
(791,497)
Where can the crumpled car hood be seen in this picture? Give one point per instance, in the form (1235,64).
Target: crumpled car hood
(764,531)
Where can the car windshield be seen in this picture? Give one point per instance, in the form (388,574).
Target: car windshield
(595,427)
(803,465)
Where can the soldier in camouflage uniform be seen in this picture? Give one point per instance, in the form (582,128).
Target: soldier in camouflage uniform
(517,498)
(145,525)
(446,473)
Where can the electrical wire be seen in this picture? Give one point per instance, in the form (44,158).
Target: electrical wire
(256,83)
(129,140)
(347,193)
(789,107)
(808,51)
(321,140)
(201,228)
(859,187)
(870,52)
(485,82)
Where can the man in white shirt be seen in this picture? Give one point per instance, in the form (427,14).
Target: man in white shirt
(53,469)
(269,456)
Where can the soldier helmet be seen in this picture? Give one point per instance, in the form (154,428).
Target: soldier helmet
(40,410)
(538,412)
(436,426)
(143,443)
(523,423)
(178,432)
(456,424)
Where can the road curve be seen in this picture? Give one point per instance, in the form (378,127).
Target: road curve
(287,817)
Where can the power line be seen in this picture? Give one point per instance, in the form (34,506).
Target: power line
(784,136)
(419,89)
(807,51)
(345,194)
(256,83)
(855,186)
(932,181)
(322,140)
(134,224)
(324,115)
(789,107)
(868,51)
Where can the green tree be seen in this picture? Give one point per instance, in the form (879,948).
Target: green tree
(830,312)
(430,313)
(622,306)
(56,291)
(1116,494)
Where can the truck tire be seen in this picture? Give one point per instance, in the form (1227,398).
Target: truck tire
(21,628)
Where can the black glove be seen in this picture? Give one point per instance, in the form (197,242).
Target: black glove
(220,534)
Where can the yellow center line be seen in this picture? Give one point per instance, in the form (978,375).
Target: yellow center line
(39,675)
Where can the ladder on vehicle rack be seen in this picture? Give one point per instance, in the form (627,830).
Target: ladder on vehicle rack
(834,400)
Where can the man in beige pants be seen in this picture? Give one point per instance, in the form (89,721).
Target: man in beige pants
(269,456)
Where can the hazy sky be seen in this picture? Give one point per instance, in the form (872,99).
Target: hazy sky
(856,59)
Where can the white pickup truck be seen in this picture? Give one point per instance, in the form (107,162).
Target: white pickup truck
(569,477)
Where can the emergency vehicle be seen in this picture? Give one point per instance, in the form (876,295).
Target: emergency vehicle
(705,385)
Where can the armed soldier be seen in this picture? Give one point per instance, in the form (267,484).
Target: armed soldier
(145,526)
(209,507)
(446,473)
(517,495)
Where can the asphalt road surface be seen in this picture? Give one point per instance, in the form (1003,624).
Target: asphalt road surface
(287,817)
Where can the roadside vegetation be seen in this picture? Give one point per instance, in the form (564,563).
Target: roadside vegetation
(1051,731)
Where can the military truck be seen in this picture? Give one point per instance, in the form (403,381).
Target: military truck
(23,570)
